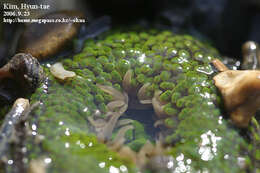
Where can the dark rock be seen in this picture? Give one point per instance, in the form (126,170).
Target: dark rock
(22,75)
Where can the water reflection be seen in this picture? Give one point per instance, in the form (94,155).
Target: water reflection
(182,165)
(47,160)
(67,145)
(81,145)
(113,169)
(10,162)
(208,146)
(142,58)
(220,120)
(102,164)
(67,132)
(34,127)
(123,168)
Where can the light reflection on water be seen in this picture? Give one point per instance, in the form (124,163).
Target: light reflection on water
(34,127)
(208,146)
(67,145)
(47,160)
(142,58)
(113,169)
(85,109)
(10,162)
(102,164)
(220,120)
(67,132)
(123,168)
(182,165)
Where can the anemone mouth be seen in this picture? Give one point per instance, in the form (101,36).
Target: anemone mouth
(133,102)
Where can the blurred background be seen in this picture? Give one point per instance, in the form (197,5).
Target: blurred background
(226,23)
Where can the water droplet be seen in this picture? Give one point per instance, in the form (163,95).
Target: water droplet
(10,162)
(47,160)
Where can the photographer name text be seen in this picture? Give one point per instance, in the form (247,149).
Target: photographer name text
(22,13)
(24,6)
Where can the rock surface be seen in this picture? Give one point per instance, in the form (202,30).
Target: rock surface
(45,40)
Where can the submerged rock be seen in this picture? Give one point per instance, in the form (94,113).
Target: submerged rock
(8,127)
(44,40)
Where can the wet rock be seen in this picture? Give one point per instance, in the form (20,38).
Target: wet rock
(45,40)
(7,130)
(20,76)
(25,69)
